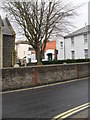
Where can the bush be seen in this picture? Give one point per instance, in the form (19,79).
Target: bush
(65,61)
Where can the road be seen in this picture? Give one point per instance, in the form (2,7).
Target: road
(45,102)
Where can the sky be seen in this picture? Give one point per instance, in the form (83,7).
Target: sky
(80,20)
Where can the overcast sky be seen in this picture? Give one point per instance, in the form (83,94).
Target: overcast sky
(83,14)
(82,17)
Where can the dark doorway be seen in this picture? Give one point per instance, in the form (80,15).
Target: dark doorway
(49,56)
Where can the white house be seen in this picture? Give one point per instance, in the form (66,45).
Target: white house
(76,44)
(50,52)
(24,50)
(89,24)
(59,46)
(72,46)
(54,50)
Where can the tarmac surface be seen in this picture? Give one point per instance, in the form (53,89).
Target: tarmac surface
(45,102)
(81,114)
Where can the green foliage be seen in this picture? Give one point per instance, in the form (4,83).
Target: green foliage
(59,62)
(65,61)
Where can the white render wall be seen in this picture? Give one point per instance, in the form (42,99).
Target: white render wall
(22,51)
(59,39)
(78,47)
(89,24)
(46,54)
(88,45)
(63,52)
(33,56)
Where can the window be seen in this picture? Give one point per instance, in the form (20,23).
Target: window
(86,53)
(49,56)
(29,49)
(73,54)
(61,44)
(85,38)
(29,60)
(72,41)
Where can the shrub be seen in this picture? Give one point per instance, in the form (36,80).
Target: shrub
(65,61)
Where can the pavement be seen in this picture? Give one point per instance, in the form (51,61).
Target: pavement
(45,102)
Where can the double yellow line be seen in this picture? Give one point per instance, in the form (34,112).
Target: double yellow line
(71,112)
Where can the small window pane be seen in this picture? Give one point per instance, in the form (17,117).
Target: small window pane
(85,38)
(61,44)
(72,41)
(73,54)
(86,53)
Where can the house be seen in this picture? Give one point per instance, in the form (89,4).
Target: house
(52,50)
(24,50)
(76,44)
(72,46)
(59,46)
(7,43)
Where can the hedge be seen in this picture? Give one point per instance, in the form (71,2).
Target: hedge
(65,61)
(60,62)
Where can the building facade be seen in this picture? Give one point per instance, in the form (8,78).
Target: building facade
(76,44)
(53,51)
(7,44)
(59,46)
(24,50)
(72,46)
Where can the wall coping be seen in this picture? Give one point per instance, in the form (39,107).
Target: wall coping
(39,66)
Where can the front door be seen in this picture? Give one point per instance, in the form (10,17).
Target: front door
(49,56)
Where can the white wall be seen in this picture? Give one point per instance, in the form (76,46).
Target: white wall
(88,45)
(60,49)
(78,47)
(46,54)
(89,24)
(22,51)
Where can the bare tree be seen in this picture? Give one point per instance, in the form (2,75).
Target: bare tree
(39,19)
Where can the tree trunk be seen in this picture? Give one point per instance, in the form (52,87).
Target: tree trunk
(38,57)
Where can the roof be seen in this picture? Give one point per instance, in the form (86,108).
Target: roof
(21,42)
(7,28)
(50,45)
(1,22)
(83,30)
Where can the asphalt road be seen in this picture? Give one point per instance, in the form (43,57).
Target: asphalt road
(45,102)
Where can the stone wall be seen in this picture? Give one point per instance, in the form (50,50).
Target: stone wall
(8,47)
(14,78)
(0,47)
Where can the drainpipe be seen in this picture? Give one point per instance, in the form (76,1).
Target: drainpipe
(64,50)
